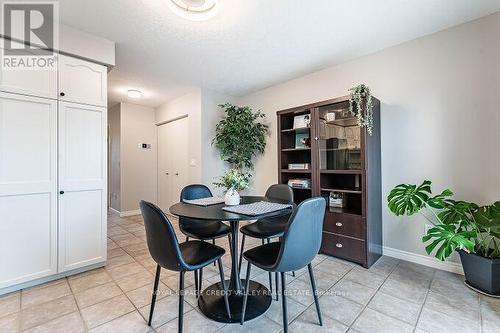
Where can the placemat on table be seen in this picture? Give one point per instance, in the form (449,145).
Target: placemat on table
(256,208)
(205,201)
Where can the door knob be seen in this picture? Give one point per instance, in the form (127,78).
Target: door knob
(167,173)
(62,94)
(176,173)
(339,245)
(338,224)
(61,192)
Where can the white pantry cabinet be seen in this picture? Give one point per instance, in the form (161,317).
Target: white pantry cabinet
(53,175)
(28,185)
(40,82)
(81,81)
(82,185)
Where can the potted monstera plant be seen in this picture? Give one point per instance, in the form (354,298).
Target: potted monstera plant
(470,229)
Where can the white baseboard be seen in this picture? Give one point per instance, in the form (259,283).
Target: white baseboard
(125,213)
(53,277)
(449,266)
(130,213)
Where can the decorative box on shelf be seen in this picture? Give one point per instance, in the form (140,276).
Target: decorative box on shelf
(337,199)
(302,121)
(299,166)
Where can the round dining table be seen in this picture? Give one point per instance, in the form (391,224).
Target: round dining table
(211,300)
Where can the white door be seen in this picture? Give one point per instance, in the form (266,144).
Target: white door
(40,83)
(82,185)
(180,162)
(173,148)
(28,185)
(82,81)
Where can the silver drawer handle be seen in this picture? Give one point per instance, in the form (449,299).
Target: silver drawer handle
(338,224)
(338,245)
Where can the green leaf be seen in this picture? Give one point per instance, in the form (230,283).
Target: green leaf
(437,202)
(457,212)
(408,198)
(240,135)
(449,239)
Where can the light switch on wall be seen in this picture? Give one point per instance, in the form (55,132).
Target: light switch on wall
(192,162)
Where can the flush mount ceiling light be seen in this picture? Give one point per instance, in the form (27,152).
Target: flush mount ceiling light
(194,10)
(135,94)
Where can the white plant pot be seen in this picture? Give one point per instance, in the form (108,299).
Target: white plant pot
(232,198)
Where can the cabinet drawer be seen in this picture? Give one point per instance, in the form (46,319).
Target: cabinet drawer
(345,224)
(344,247)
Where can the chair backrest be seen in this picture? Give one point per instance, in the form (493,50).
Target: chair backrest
(162,241)
(192,192)
(302,239)
(195,191)
(280,192)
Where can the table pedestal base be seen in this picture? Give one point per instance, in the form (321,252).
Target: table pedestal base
(211,302)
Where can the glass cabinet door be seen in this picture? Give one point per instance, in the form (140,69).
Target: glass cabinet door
(339,138)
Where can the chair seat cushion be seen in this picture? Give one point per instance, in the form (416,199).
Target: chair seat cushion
(266,228)
(263,256)
(198,254)
(204,229)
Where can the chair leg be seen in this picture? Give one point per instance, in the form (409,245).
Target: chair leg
(245,295)
(196,283)
(155,291)
(283,302)
(230,246)
(270,276)
(200,279)
(276,276)
(213,242)
(293,273)
(181,301)
(222,280)
(316,301)
(241,252)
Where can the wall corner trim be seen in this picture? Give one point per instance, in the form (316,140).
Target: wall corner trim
(449,266)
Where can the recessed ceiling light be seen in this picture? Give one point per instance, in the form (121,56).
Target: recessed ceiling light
(136,94)
(195,10)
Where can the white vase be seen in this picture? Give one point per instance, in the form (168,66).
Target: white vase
(232,198)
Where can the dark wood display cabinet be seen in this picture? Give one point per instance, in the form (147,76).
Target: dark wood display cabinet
(323,151)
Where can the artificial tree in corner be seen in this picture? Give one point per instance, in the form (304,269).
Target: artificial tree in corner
(470,229)
(239,136)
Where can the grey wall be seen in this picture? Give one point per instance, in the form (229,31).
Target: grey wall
(132,169)
(114,157)
(440,116)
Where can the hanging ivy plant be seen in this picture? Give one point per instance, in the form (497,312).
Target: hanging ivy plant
(240,135)
(362,98)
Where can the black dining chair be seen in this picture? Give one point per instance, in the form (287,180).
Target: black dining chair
(271,227)
(169,254)
(300,243)
(201,229)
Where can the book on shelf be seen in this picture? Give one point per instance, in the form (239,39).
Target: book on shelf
(299,183)
(299,166)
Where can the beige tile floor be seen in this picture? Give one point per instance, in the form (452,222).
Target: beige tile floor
(391,296)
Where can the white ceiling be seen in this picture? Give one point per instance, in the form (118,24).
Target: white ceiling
(252,44)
